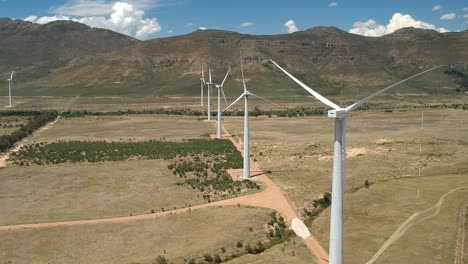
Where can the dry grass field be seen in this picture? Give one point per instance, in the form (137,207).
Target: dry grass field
(116,128)
(36,194)
(379,146)
(372,215)
(177,237)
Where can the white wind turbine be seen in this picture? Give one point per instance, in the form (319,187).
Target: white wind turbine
(245,94)
(202,84)
(10,86)
(339,162)
(220,87)
(209,85)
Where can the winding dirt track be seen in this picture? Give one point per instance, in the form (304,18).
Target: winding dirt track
(401,230)
(271,197)
(460,249)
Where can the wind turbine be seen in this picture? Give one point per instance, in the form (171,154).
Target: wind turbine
(220,87)
(339,161)
(245,95)
(209,85)
(10,86)
(202,84)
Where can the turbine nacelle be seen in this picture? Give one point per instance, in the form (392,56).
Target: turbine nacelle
(339,113)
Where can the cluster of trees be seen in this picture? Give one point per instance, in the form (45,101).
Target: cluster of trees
(99,151)
(318,206)
(459,78)
(39,120)
(210,176)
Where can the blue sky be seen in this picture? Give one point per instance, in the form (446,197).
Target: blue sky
(163,18)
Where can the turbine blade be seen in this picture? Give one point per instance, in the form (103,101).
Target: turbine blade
(224,96)
(242,70)
(310,90)
(265,100)
(11,77)
(225,77)
(209,72)
(233,103)
(202,74)
(358,104)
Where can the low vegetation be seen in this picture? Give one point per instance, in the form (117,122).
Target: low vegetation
(39,119)
(99,151)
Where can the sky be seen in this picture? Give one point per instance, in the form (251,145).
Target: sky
(146,19)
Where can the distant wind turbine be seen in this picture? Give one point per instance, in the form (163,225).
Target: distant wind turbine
(10,86)
(245,95)
(220,87)
(202,85)
(339,161)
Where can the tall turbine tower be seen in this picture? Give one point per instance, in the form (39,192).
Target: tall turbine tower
(245,95)
(339,161)
(202,85)
(209,85)
(10,86)
(220,87)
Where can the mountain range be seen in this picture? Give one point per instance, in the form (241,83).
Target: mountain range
(68,58)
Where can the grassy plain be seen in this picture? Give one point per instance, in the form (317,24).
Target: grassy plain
(36,194)
(177,237)
(372,215)
(115,128)
(299,150)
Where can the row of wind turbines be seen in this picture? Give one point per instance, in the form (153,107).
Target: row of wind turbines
(338,113)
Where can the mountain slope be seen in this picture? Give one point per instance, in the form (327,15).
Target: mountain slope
(36,49)
(331,60)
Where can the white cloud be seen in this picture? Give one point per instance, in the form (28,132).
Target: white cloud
(368,29)
(333,4)
(83,8)
(398,21)
(124,18)
(202,28)
(437,8)
(170,31)
(450,16)
(465,9)
(291,26)
(465,16)
(190,24)
(247,24)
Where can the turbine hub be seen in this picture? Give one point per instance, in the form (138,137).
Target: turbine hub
(340,113)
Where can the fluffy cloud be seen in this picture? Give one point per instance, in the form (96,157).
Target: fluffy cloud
(436,8)
(84,8)
(246,24)
(450,16)
(465,16)
(202,28)
(291,26)
(465,9)
(333,4)
(368,29)
(124,18)
(398,21)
